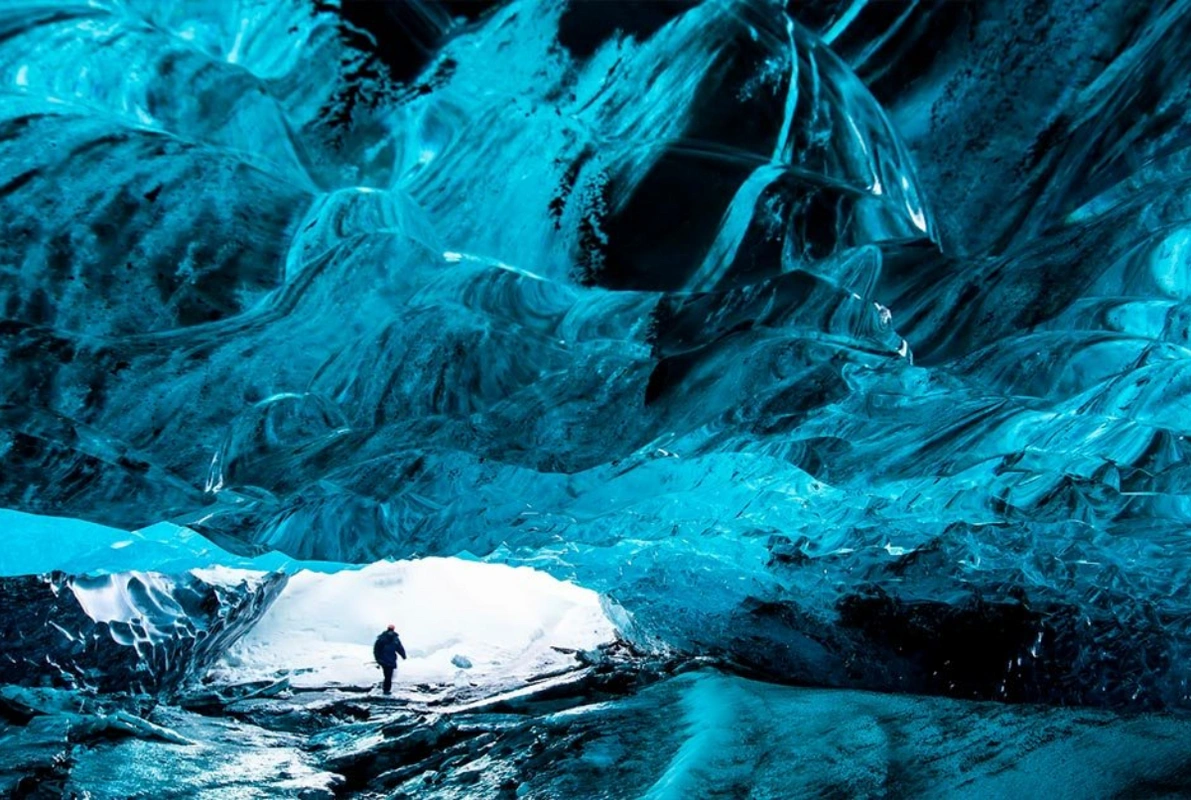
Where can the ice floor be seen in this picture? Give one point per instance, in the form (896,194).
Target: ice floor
(701,734)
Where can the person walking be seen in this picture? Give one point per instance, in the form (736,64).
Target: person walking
(385,651)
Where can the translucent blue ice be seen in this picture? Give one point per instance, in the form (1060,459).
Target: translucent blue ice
(851,347)
(37,544)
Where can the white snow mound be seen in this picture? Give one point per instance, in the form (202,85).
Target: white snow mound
(504,620)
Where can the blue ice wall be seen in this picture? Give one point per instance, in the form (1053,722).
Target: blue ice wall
(37,544)
(848,341)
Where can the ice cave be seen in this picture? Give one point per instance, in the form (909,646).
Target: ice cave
(722,398)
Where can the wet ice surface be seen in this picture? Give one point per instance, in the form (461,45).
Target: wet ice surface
(624,727)
(65,747)
(228,760)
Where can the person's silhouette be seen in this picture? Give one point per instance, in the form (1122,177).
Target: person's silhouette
(385,651)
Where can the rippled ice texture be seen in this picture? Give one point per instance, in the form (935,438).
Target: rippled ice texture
(846,340)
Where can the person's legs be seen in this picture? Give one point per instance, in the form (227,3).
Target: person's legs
(388,679)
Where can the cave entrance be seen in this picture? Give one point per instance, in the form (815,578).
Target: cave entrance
(463,622)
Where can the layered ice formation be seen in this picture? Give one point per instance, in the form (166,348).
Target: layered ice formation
(843,341)
(126,632)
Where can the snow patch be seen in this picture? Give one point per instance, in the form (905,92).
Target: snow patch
(505,619)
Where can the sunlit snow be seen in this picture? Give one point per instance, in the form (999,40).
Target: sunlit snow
(504,620)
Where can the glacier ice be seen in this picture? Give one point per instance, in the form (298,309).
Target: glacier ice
(61,744)
(708,735)
(128,631)
(87,548)
(699,733)
(845,346)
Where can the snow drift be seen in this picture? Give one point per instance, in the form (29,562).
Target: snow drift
(505,621)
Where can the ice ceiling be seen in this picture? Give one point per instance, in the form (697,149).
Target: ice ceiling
(847,341)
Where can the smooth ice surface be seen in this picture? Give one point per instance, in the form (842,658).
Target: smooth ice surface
(81,547)
(846,341)
(503,620)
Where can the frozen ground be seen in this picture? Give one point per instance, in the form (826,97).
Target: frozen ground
(503,620)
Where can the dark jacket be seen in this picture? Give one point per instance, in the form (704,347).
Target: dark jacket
(387,648)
